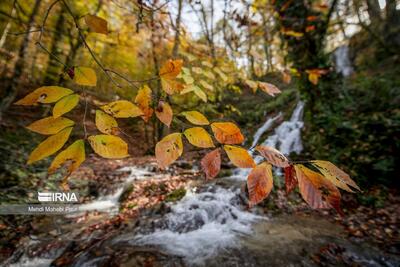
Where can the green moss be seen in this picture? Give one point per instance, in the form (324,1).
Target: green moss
(176,195)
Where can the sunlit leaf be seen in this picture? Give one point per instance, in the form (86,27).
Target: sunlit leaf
(143,100)
(239,157)
(122,109)
(85,76)
(206,85)
(252,84)
(211,163)
(209,75)
(189,88)
(73,156)
(168,73)
(50,145)
(290,179)
(50,125)
(169,149)
(199,137)
(66,104)
(259,183)
(227,133)
(292,33)
(269,88)
(164,113)
(195,117)
(335,175)
(207,64)
(45,94)
(106,123)
(200,93)
(286,78)
(273,156)
(318,192)
(197,70)
(96,24)
(109,146)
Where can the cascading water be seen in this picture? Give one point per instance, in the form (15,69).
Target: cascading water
(204,222)
(342,61)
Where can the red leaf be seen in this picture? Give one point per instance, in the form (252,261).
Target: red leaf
(211,163)
(290,179)
(259,183)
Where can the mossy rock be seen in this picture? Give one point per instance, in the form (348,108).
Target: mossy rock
(176,195)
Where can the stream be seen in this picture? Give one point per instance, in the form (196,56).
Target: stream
(210,225)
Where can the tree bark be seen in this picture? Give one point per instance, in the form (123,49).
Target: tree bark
(177,30)
(12,89)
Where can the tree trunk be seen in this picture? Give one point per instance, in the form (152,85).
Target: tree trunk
(12,89)
(177,30)
(53,67)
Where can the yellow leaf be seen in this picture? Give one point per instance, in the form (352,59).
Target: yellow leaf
(313,78)
(200,93)
(207,64)
(50,145)
(259,183)
(335,175)
(168,73)
(273,156)
(292,33)
(227,133)
(209,75)
(85,76)
(45,94)
(66,104)
(197,70)
(96,24)
(252,84)
(50,125)
(169,149)
(109,146)
(106,123)
(239,157)
(143,100)
(122,109)
(206,85)
(189,88)
(164,113)
(195,117)
(73,155)
(199,137)
(286,77)
(221,74)
(269,88)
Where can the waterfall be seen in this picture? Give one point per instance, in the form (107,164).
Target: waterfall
(204,222)
(342,61)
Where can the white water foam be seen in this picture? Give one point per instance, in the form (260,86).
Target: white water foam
(201,224)
(342,61)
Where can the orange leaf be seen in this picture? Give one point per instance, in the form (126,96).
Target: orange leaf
(143,100)
(239,157)
(211,163)
(290,179)
(168,73)
(227,133)
(269,88)
(164,113)
(273,156)
(259,183)
(286,77)
(317,191)
(169,149)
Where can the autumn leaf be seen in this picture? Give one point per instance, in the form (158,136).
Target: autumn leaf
(109,146)
(252,84)
(207,64)
(50,125)
(73,155)
(290,178)
(164,113)
(106,123)
(239,157)
(66,104)
(96,24)
(122,109)
(206,85)
(45,94)
(273,156)
(200,93)
(227,133)
(286,78)
(315,74)
(197,70)
(318,192)
(259,183)
(269,88)
(50,145)
(209,75)
(143,100)
(188,89)
(199,137)
(169,149)
(211,164)
(195,117)
(85,76)
(292,33)
(338,177)
(168,73)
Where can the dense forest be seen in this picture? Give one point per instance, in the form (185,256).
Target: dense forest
(199,133)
